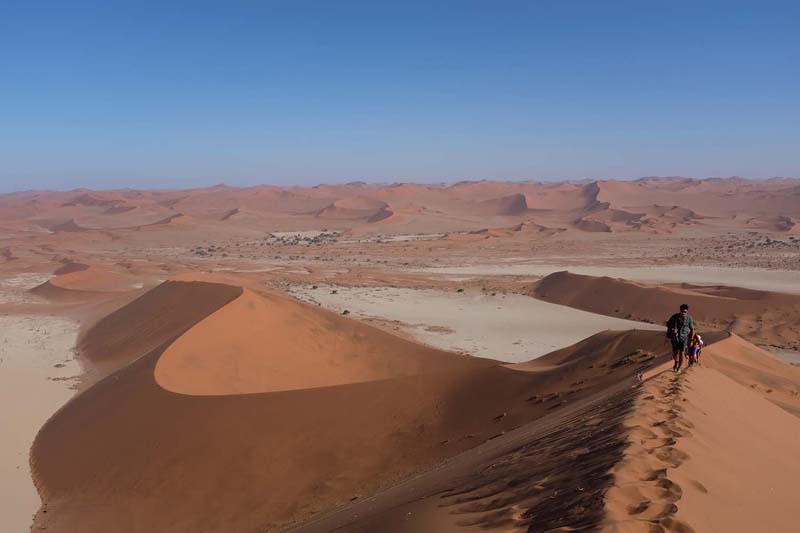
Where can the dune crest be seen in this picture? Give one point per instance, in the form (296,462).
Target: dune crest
(695,459)
(759,316)
(267,343)
(295,452)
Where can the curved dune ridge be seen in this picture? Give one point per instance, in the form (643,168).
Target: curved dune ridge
(77,281)
(70,226)
(154,318)
(265,343)
(664,455)
(527,230)
(67,267)
(696,460)
(759,316)
(758,370)
(294,410)
(656,206)
(357,208)
(514,204)
(258,461)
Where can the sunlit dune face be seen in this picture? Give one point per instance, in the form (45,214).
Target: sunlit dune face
(95,280)
(260,344)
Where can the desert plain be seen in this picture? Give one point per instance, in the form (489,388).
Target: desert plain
(476,356)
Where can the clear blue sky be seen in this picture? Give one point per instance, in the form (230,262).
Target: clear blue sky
(170,94)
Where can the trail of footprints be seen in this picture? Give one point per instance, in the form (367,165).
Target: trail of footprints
(644,480)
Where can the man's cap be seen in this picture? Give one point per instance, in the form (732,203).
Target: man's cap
(684,306)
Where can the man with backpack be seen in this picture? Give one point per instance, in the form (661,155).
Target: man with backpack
(680,328)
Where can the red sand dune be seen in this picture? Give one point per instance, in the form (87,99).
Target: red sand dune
(228,214)
(69,267)
(267,343)
(358,208)
(594,226)
(68,226)
(619,461)
(759,316)
(278,410)
(696,460)
(90,199)
(514,204)
(152,319)
(656,205)
(119,209)
(77,281)
(247,461)
(523,230)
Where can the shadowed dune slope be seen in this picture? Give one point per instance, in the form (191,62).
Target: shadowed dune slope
(515,204)
(759,316)
(246,462)
(68,267)
(155,317)
(614,348)
(548,475)
(677,453)
(270,343)
(252,462)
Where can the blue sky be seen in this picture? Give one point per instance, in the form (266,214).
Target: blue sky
(113,94)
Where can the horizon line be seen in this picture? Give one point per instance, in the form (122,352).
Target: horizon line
(394,183)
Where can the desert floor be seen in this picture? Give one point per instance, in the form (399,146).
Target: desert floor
(37,375)
(507,327)
(751,278)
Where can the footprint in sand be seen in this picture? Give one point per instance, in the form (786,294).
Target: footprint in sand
(674,526)
(639,508)
(671,491)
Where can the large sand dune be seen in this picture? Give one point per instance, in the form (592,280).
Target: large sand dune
(760,316)
(266,343)
(151,320)
(243,461)
(666,455)
(649,205)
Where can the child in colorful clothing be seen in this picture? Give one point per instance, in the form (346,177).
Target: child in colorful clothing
(693,351)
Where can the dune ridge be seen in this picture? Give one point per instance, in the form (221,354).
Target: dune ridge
(77,281)
(760,316)
(351,438)
(663,455)
(267,343)
(687,466)
(649,205)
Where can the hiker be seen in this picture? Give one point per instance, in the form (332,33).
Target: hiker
(694,349)
(680,328)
